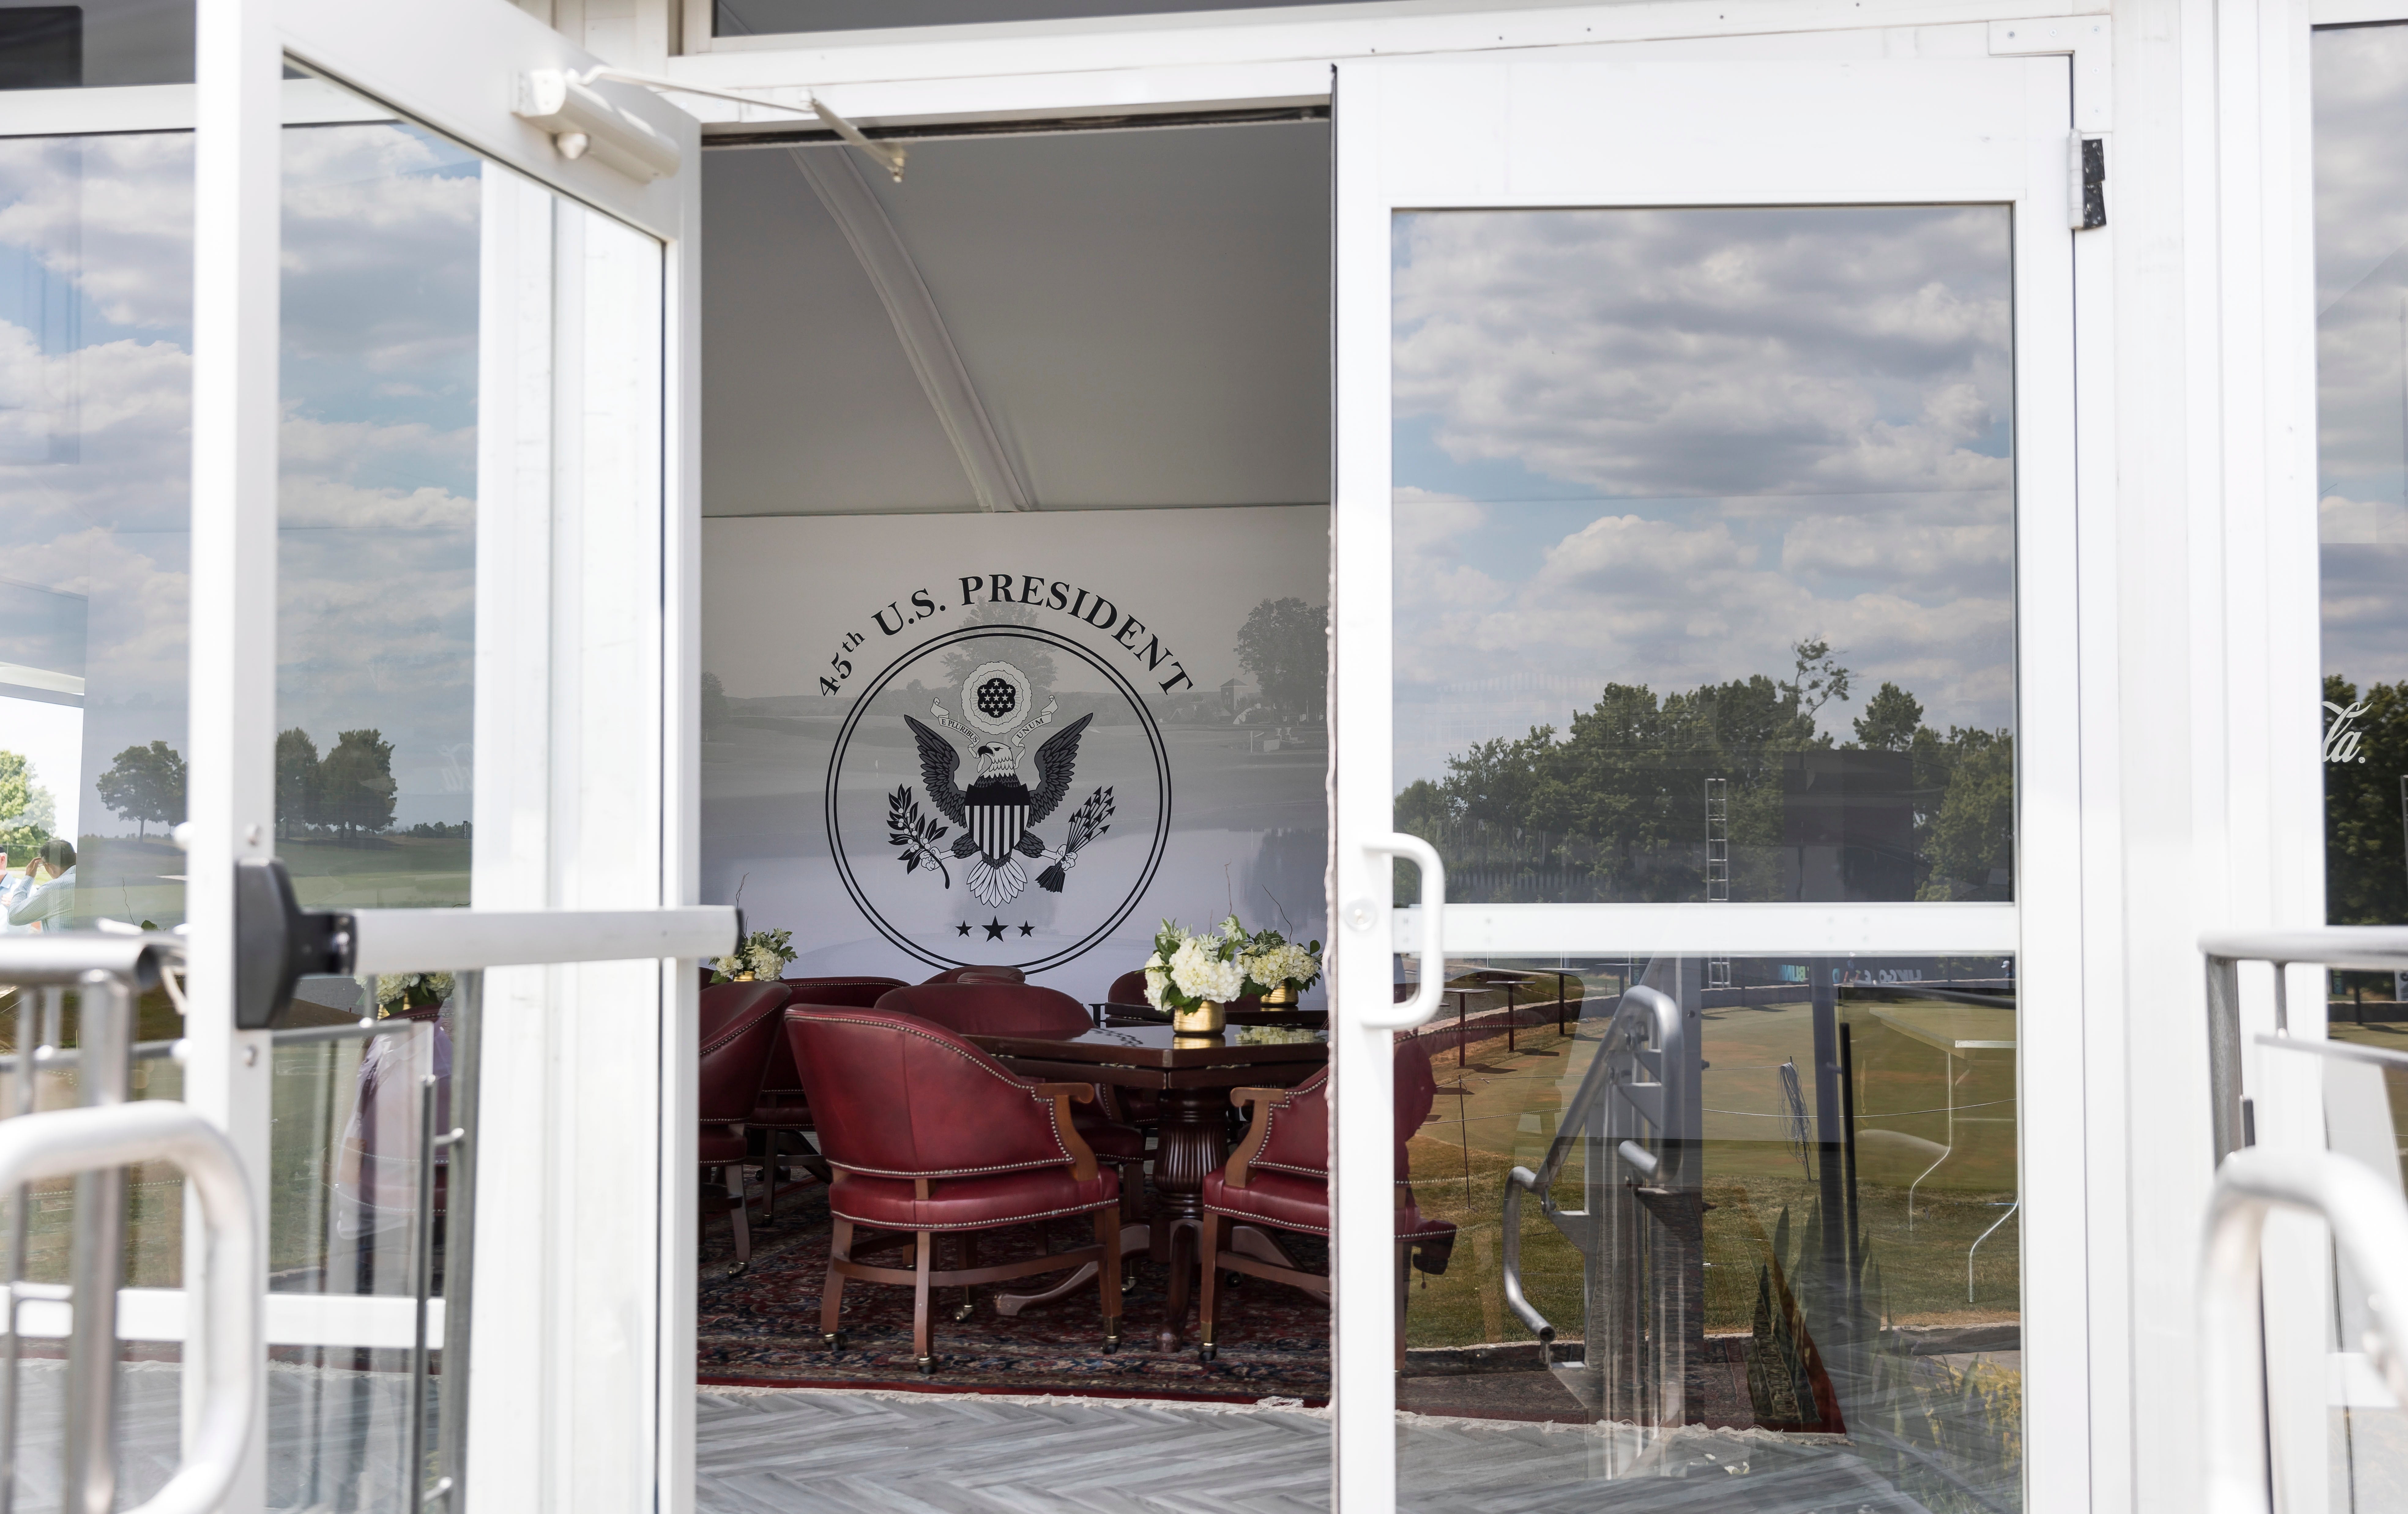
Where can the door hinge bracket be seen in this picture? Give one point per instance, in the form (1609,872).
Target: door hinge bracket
(276,942)
(2087,182)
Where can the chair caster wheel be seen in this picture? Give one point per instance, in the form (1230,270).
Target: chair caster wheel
(1128,1281)
(739,1269)
(833,1340)
(927,1366)
(962,1312)
(1112,1343)
(1207,1353)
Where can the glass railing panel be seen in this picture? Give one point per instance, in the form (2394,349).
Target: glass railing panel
(1809,1274)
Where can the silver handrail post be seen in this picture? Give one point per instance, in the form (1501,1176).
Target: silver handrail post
(105,1028)
(34,1030)
(2224,1055)
(2369,1227)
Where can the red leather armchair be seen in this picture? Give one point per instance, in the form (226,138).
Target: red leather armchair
(782,1117)
(975,1008)
(1279,1178)
(929,1135)
(739,1023)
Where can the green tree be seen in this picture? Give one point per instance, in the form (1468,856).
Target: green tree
(300,791)
(357,783)
(1818,678)
(1890,720)
(1285,644)
(27,813)
(2366,856)
(143,785)
(714,702)
(1969,845)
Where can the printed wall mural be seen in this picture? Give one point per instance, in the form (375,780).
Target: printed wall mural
(941,740)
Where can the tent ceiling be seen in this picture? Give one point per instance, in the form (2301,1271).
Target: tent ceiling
(1145,314)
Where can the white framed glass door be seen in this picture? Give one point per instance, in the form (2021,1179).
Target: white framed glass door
(442,630)
(1703,594)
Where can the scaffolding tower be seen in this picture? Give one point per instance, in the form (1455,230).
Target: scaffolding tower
(1718,968)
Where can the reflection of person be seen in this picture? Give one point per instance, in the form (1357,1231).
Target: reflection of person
(376,1165)
(47,897)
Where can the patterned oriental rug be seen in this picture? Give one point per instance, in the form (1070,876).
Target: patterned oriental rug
(761,1328)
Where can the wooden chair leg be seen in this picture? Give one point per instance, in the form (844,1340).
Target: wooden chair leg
(924,1249)
(832,1292)
(969,1262)
(1108,1275)
(734,1173)
(769,1174)
(1207,1248)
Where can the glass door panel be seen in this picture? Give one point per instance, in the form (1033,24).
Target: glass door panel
(1706,483)
(1704,526)
(1780,1247)
(95,312)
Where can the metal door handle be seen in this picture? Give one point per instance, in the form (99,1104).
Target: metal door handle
(67,1141)
(1432,987)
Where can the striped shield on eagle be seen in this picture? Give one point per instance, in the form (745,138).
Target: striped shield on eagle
(997,809)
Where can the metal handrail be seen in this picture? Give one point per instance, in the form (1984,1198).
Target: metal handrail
(2369,1227)
(2372,946)
(1663,1034)
(63,1142)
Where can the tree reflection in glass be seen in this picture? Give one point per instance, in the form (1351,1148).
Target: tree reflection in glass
(1704,533)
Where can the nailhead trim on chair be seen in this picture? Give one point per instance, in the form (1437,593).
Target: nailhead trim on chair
(1007,1078)
(736,1030)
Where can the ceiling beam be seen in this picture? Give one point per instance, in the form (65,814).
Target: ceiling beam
(926,343)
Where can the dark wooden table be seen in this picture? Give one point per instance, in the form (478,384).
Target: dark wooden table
(1193,1076)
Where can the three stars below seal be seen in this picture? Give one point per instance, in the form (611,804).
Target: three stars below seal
(994,928)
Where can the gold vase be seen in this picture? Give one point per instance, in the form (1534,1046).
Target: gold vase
(1282,997)
(1205,1018)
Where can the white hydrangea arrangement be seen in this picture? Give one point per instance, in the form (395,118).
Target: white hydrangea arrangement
(764,955)
(1187,970)
(1231,964)
(1272,961)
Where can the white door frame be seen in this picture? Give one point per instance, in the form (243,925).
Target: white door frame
(452,65)
(1494,132)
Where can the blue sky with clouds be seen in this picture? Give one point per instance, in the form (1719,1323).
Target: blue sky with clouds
(2360,92)
(1661,446)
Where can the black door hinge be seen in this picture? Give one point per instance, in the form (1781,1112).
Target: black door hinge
(2086,206)
(276,942)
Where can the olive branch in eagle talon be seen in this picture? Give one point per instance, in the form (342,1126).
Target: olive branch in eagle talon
(916,834)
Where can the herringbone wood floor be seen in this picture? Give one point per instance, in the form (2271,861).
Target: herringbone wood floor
(786,1452)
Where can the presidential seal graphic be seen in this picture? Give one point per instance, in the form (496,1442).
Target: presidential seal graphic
(999,795)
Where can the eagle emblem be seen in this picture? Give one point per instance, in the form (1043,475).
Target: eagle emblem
(998,813)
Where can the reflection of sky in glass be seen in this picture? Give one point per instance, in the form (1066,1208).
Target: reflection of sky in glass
(1659,447)
(96,379)
(2361,177)
(378,502)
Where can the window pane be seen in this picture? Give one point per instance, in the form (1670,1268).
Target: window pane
(1703,568)
(95,403)
(760,17)
(1805,1285)
(95,44)
(2361,118)
(376,514)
